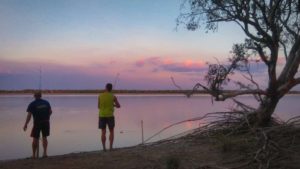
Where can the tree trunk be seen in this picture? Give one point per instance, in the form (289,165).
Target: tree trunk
(265,111)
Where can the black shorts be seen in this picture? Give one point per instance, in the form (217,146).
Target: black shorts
(104,121)
(43,127)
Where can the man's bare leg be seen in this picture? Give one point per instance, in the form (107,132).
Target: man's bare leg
(45,145)
(103,138)
(35,143)
(111,138)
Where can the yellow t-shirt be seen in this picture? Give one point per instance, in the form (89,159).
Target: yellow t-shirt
(106,102)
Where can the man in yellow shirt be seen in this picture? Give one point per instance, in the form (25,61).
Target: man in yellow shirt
(106,103)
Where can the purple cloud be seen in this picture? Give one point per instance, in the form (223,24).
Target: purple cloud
(182,68)
(148,61)
(159,64)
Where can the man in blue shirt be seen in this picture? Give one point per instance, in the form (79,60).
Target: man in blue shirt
(40,110)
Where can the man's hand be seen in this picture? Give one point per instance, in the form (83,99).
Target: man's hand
(25,127)
(27,121)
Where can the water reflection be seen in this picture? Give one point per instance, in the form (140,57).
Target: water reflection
(74,122)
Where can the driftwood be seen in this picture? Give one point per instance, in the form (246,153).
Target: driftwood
(269,148)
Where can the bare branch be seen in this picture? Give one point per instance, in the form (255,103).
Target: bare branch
(261,53)
(245,28)
(292,64)
(222,96)
(284,49)
(174,83)
(245,107)
(262,8)
(198,85)
(250,78)
(286,87)
(232,94)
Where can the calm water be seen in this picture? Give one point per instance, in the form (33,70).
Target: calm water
(74,120)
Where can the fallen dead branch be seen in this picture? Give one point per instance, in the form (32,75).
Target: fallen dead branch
(262,148)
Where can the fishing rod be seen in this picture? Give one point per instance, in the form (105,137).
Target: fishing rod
(40,78)
(116,79)
(40,89)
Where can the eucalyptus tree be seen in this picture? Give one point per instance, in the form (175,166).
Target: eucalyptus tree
(272,31)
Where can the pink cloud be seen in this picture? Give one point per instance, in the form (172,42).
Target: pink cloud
(159,64)
(191,64)
(168,61)
(154,60)
(148,61)
(140,63)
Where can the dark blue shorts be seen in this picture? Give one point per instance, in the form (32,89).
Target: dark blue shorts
(43,127)
(106,121)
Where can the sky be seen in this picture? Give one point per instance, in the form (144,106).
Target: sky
(83,44)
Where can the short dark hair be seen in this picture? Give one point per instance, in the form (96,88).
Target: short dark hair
(37,94)
(108,87)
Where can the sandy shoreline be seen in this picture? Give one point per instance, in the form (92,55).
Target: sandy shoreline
(187,152)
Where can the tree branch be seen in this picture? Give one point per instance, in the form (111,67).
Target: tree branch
(237,14)
(255,25)
(263,10)
(250,78)
(222,96)
(292,64)
(261,53)
(174,83)
(283,89)
(284,50)
(245,28)
(286,21)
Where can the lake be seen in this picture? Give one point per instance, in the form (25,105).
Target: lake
(74,122)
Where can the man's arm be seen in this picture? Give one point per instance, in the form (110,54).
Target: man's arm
(50,109)
(98,102)
(27,121)
(117,104)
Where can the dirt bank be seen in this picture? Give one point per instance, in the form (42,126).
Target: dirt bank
(189,152)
